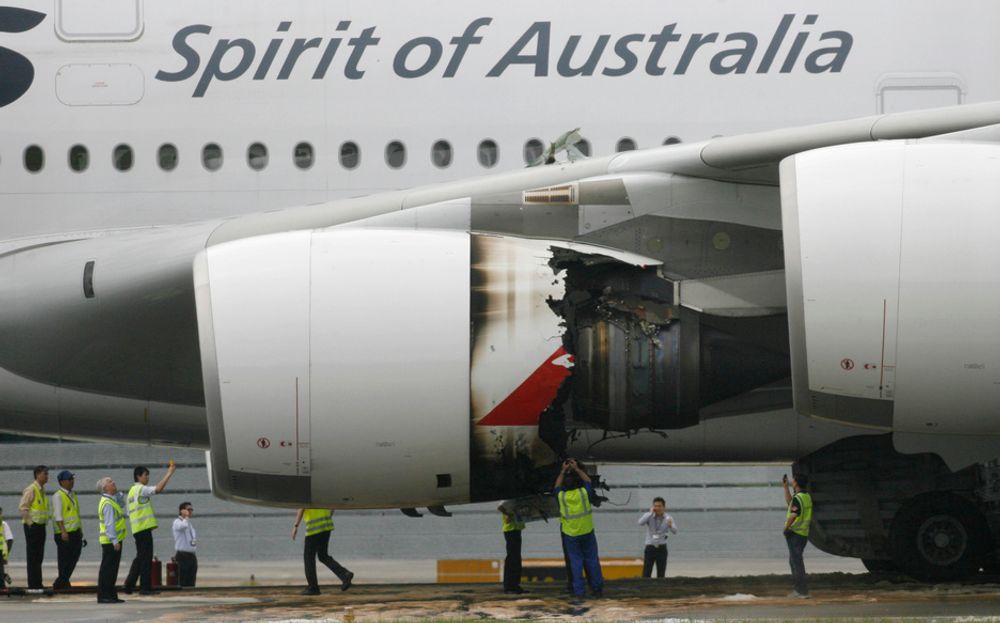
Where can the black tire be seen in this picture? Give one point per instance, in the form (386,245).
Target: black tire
(939,537)
(878,565)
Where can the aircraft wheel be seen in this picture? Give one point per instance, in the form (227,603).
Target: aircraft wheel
(939,537)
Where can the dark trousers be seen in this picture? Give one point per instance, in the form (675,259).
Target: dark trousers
(512,563)
(108,575)
(142,564)
(34,550)
(187,568)
(797,545)
(67,554)
(3,572)
(654,554)
(582,552)
(316,547)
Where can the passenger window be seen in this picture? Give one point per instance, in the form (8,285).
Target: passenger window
(79,158)
(395,154)
(533,150)
(257,156)
(671,140)
(488,153)
(584,147)
(34,158)
(625,144)
(303,155)
(121,157)
(441,154)
(211,157)
(166,156)
(350,155)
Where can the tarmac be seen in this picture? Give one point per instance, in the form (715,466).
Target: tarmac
(726,594)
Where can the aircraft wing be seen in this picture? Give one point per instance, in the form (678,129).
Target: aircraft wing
(748,158)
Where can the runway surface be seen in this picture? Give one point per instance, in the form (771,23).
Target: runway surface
(834,596)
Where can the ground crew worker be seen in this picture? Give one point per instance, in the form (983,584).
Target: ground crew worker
(111,516)
(319,525)
(512,526)
(68,531)
(8,539)
(573,490)
(797,520)
(4,551)
(657,523)
(185,544)
(35,513)
(142,520)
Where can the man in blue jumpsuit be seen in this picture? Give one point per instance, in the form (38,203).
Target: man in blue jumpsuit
(574,490)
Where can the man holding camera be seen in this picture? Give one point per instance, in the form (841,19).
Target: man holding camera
(797,520)
(573,489)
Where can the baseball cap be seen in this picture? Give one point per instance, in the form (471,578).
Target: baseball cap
(65,475)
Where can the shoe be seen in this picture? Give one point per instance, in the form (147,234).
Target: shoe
(598,595)
(514,591)
(128,590)
(147,592)
(109,600)
(798,595)
(310,591)
(347,581)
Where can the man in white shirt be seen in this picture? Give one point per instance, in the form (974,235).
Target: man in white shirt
(111,531)
(658,523)
(185,543)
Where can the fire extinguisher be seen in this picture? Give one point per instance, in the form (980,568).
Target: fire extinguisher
(172,572)
(156,573)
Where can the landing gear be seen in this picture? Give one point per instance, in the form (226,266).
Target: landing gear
(940,537)
(905,513)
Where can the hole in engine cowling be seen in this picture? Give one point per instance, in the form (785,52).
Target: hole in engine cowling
(643,362)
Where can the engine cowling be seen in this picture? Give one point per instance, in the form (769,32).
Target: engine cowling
(893,287)
(347,354)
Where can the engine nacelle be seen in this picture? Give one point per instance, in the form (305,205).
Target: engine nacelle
(368,367)
(893,285)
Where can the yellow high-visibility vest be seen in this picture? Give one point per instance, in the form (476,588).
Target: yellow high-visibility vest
(140,510)
(120,526)
(575,513)
(41,512)
(318,520)
(70,511)
(801,524)
(511,524)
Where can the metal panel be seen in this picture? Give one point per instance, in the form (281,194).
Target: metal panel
(949,291)
(259,292)
(844,218)
(99,20)
(390,366)
(100,84)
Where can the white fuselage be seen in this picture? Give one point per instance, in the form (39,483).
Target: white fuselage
(144,74)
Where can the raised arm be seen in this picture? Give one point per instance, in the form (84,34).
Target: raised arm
(559,478)
(579,472)
(171,468)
